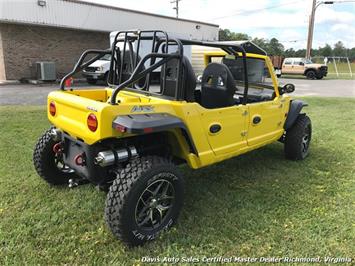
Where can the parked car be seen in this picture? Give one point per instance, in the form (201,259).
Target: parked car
(98,70)
(299,66)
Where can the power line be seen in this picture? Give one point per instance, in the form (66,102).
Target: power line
(247,12)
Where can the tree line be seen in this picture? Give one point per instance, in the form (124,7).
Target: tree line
(274,47)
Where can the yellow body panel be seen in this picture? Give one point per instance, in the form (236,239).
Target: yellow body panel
(237,135)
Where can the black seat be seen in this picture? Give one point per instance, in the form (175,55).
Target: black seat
(188,79)
(218,86)
(128,67)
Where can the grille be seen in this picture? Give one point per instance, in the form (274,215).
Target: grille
(91,69)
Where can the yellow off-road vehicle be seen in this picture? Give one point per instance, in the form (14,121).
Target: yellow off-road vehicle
(129,138)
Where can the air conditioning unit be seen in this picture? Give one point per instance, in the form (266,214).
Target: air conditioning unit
(46,71)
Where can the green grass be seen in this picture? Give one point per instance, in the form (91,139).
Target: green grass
(258,204)
(342,67)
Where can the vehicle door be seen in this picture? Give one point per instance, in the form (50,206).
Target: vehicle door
(264,106)
(225,128)
(298,66)
(287,66)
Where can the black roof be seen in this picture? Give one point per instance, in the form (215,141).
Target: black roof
(248,46)
(230,46)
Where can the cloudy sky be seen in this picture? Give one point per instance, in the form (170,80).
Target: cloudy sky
(287,20)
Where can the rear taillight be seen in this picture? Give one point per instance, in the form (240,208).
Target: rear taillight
(92,122)
(52,108)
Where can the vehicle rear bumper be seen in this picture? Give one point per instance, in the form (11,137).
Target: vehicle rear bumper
(88,170)
(93,75)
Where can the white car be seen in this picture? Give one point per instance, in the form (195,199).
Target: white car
(98,70)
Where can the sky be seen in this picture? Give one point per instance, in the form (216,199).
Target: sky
(286,20)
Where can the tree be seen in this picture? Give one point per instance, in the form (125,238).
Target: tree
(339,49)
(261,42)
(300,53)
(224,35)
(290,52)
(227,35)
(274,47)
(326,50)
(351,54)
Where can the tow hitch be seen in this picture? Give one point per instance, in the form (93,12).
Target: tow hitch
(75,182)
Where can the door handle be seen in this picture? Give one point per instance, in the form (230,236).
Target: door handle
(256,120)
(215,128)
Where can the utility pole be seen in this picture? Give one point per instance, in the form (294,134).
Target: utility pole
(315,4)
(310,30)
(176,2)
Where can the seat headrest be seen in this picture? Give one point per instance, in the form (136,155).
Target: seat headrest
(218,75)
(188,78)
(128,67)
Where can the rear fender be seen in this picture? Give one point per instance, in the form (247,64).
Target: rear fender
(295,109)
(139,124)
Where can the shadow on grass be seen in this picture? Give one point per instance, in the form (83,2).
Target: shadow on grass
(244,196)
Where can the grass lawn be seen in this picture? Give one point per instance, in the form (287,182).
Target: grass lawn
(256,205)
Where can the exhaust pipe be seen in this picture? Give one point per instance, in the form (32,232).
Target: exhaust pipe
(106,158)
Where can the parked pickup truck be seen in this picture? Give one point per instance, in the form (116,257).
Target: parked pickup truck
(98,70)
(299,66)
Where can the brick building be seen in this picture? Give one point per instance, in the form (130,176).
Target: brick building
(60,30)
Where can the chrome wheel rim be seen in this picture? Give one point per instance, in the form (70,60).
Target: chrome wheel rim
(155,204)
(305,141)
(58,161)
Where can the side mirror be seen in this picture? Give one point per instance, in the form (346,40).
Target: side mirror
(288,88)
(301,64)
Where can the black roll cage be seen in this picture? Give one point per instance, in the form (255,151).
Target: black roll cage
(160,42)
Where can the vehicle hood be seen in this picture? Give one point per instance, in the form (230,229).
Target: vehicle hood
(99,63)
(314,65)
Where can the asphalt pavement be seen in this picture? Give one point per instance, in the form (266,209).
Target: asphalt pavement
(28,94)
(322,88)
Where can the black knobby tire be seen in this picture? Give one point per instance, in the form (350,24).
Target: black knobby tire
(311,74)
(127,193)
(298,138)
(320,76)
(44,160)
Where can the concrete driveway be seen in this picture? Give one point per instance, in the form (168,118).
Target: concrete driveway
(322,88)
(27,94)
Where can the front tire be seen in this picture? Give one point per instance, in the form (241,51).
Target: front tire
(49,165)
(298,138)
(144,200)
(311,74)
(320,76)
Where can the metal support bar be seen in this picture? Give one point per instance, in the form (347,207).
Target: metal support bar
(80,65)
(137,76)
